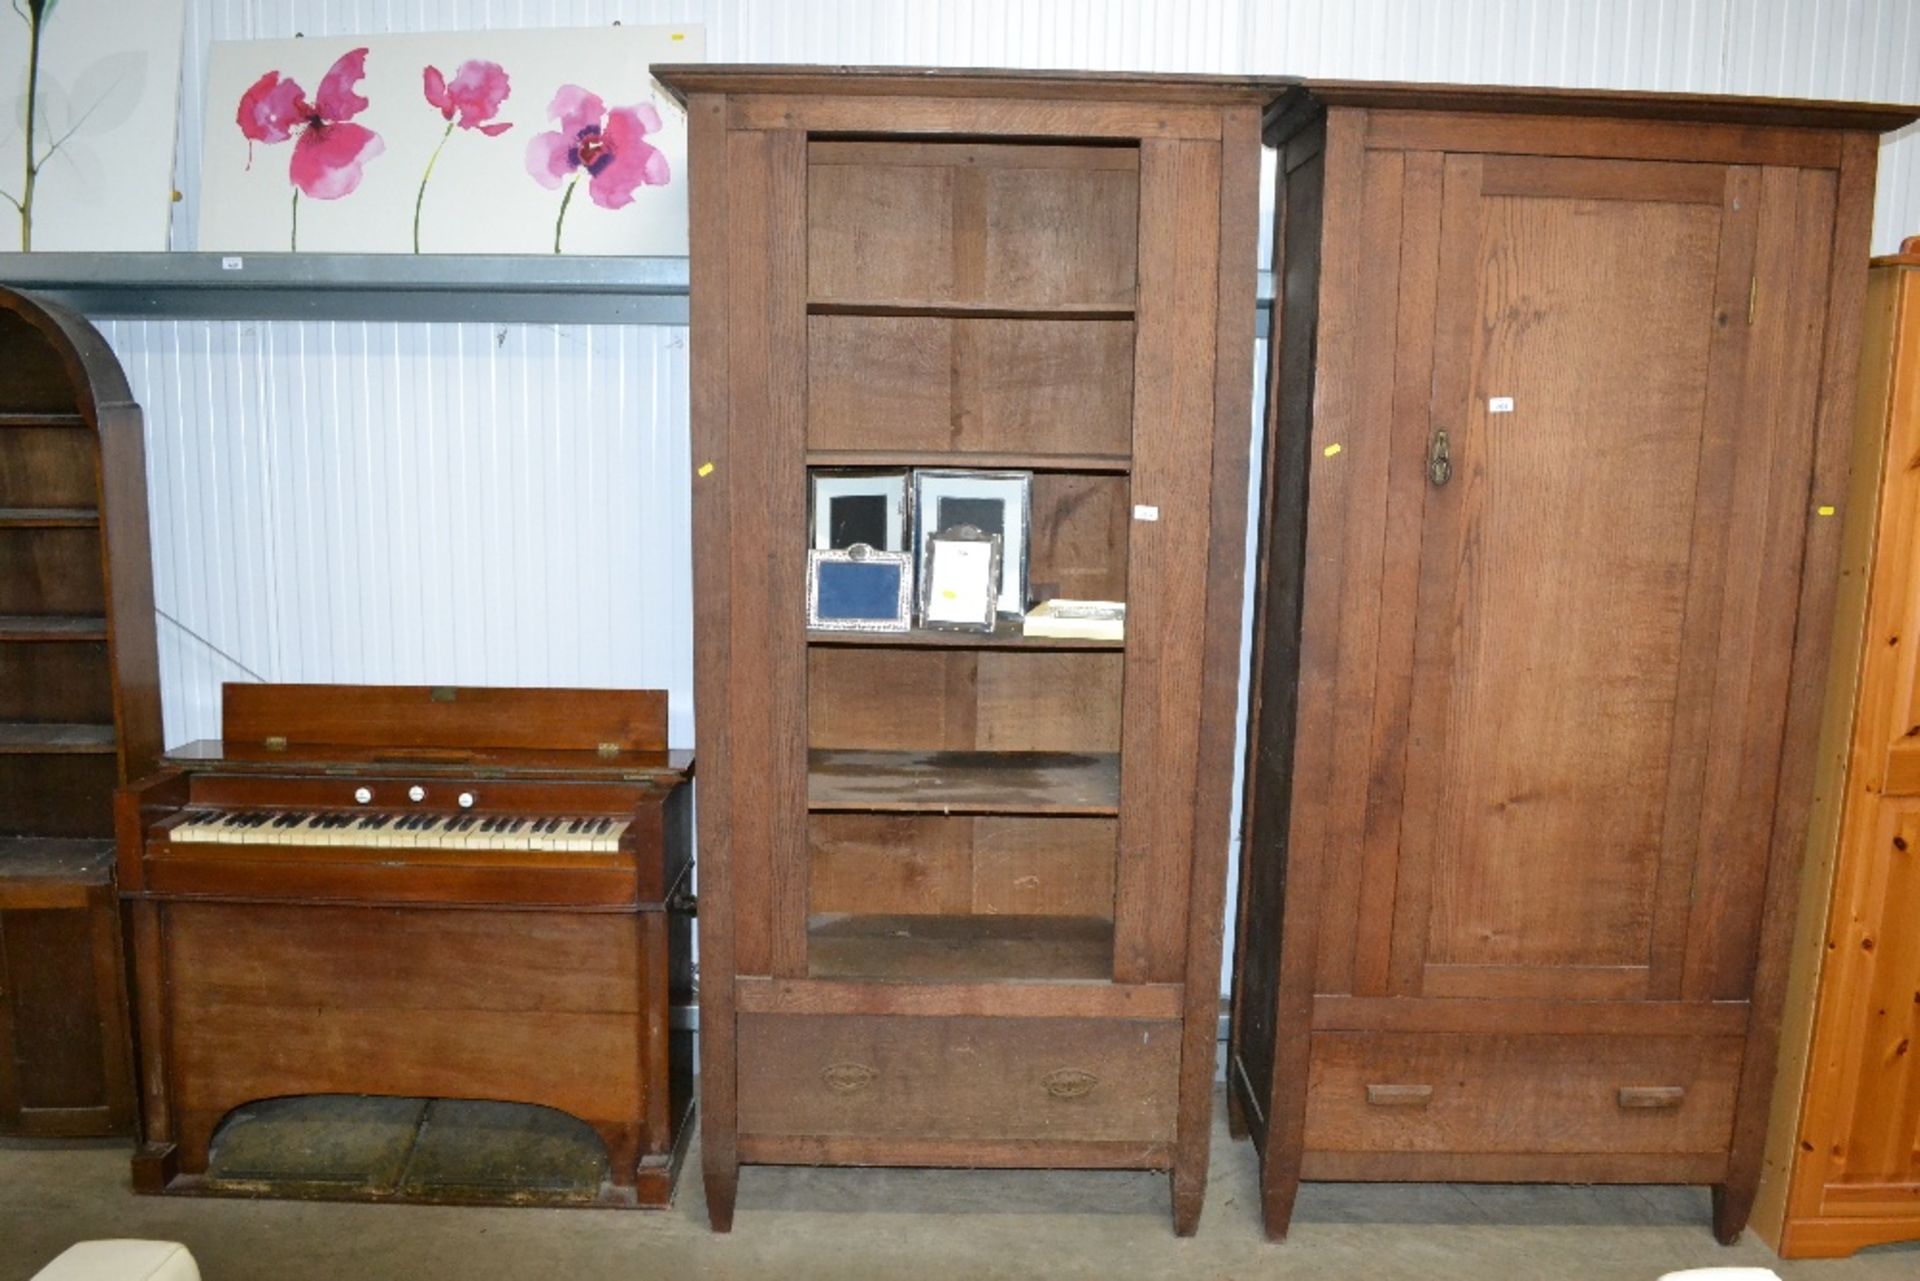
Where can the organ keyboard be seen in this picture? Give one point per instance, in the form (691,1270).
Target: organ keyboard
(389,830)
(415,892)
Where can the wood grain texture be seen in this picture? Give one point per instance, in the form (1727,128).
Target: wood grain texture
(948,865)
(1173,408)
(1213,800)
(268,970)
(963,700)
(1523,1094)
(399,716)
(1584,749)
(1860,603)
(969,385)
(1601,139)
(932,226)
(79,715)
(986,1079)
(1859,1121)
(991,276)
(710,389)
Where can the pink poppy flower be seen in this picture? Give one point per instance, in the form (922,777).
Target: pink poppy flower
(330,156)
(475,93)
(610,146)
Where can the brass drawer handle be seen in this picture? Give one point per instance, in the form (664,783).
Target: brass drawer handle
(848,1078)
(1399,1096)
(1069,1083)
(1652,1097)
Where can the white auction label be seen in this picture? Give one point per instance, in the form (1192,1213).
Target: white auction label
(1143,512)
(1500,405)
(231,264)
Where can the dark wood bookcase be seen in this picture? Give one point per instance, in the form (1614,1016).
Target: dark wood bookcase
(961,894)
(79,714)
(1558,427)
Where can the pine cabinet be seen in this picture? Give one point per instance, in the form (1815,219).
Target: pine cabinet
(960,898)
(1843,1168)
(1558,428)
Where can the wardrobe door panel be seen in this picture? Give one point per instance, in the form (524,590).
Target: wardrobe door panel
(1582,309)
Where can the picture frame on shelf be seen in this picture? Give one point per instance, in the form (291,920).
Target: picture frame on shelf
(959,588)
(992,502)
(853,507)
(859,589)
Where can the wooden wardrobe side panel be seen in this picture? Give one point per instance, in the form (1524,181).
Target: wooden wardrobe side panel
(1272,701)
(710,440)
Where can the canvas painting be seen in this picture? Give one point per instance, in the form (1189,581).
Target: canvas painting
(521,142)
(92,95)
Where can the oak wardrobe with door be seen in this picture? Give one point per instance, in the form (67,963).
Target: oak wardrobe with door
(960,899)
(1557,434)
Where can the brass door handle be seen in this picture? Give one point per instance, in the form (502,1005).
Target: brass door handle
(1651,1097)
(1439,463)
(1399,1096)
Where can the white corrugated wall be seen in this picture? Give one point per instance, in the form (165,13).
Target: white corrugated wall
(508,503)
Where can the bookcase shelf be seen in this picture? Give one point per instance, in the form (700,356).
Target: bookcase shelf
(52,627)
(48,518)
(1104,464)
(36,737)
(972,310)
(1005,636)
(959,949)
(964,782)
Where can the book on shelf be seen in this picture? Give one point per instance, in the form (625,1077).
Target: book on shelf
(1077,620)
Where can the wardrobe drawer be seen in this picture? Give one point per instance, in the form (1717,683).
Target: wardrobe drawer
(1422,1092)
(878,1076)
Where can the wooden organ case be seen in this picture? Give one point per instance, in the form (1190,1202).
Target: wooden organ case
(1558,429)
(436,892)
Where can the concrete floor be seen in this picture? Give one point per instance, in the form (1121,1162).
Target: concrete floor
(798,1224)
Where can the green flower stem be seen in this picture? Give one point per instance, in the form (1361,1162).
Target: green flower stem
(420,199)
(564,202)
(33,92)
(293,244)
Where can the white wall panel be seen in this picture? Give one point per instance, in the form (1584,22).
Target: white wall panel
(475,503)
(418,504)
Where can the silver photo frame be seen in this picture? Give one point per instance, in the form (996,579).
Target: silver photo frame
(859,589)
(871,507)
(993,502)
(959,584)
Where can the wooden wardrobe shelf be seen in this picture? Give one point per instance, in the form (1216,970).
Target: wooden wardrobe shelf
(52,627)
(48,518)
(964,782)
(973,310)
(35,737)
(48,858)
(1111,464)
(959,948)
(1005,636)
(37,418)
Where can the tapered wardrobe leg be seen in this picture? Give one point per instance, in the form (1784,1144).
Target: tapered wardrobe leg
(1732,1203)
(1189,1194)
(723,1184)
(1279,1185)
